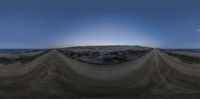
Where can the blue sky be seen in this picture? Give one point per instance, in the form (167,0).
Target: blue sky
(60,23)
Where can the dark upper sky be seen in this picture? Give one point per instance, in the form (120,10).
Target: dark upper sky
(60,23)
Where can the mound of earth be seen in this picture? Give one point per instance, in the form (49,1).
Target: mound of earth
(186,57)
(11,57)
(105,54)
(155,75)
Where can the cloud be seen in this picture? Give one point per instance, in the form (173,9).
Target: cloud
(198,30)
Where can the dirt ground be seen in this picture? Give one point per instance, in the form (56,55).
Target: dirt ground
(55,76)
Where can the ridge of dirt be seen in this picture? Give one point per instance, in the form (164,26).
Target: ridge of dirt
(55,76)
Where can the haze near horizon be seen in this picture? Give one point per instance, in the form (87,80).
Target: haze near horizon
(52,24)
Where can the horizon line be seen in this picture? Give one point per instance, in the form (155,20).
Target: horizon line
(68,46)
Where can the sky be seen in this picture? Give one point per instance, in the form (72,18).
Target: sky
(62,23)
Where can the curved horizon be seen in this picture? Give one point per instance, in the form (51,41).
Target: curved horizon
(45,24)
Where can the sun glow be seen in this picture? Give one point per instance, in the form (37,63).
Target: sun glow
(108,34)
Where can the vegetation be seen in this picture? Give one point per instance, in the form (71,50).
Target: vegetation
(22,59)
(25,59)
(99,57)
(6,61)
(184,58)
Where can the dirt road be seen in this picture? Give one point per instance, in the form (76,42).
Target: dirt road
(55,76)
